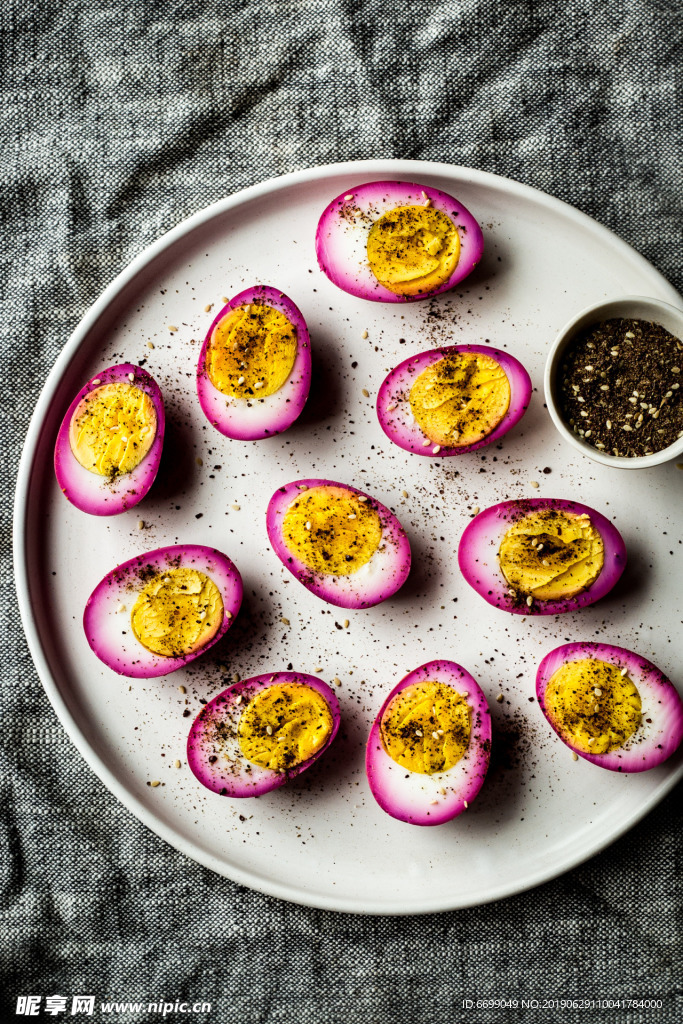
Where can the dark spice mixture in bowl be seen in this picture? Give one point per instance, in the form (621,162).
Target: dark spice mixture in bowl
(613,382)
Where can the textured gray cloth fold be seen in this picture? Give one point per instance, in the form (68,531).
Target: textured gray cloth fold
(118,121)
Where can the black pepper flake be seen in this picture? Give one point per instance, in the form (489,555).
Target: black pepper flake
(619,387)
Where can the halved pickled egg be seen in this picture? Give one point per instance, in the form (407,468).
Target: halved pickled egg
(342,544)
(160,610)
(541,556)
(610,706)
(261,732)
(396,241)
(453,400)
(254,369)
(109,444)
(429,747)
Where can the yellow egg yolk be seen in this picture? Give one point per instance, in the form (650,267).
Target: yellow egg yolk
(460,399)
(592,705)
(550,554)
(177,613)
(426,727)
(251,352)
(284,725)
(332,530)
(112,429)
(413,249)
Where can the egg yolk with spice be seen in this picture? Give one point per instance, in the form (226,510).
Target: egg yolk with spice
(426,727)
(592,705)
(177,613)
(332,530)
(413,249)
(460,399)
(112,429)
(251,352)
(284,725)
(549,554)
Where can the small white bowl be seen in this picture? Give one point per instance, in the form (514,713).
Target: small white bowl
(633,307)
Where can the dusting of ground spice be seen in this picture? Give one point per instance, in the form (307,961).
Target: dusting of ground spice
(619,387)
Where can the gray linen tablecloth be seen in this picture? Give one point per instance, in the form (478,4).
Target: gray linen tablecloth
(118,121)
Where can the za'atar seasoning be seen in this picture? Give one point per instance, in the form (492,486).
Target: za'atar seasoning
(619,387)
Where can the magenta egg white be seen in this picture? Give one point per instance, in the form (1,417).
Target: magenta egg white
(417,798)
(479,564)
(374,582)
(396,418)
(660,731)
(95,494)
(257,418)
(342,236)
(106,619)
(213,750)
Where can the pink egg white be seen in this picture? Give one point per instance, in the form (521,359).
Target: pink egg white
(213,749)
(421,799)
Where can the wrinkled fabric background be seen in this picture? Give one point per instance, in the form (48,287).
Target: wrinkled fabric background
(118,121)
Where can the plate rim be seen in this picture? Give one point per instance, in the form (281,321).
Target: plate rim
(153,821)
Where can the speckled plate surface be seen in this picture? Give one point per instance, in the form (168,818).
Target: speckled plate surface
(322,840)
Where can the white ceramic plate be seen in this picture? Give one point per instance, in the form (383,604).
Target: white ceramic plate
(322,840)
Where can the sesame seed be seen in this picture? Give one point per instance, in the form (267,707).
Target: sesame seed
(97,380)
(366,393)
(208,307)
(302,487)
(500,698)
(436,449)
(418,732)
(597,691)
(346,623)
(575,756)
(608,424)
(364,335)
(347,199)
(545,561)
(172,328)
(240,380)
(534,483)
(269,730)
(236,507)
(675,369)
(435,735)
(352,515)
(236,678)
(155,783)
(583,413)
(121,608)
(591,741)
(258,384)
(633,400)
(141,524)
(308,526)
(404,493)
(629,334)
(362,497)
(182,689)
(476,510)
(439,732)
(589,369)
(318,668)
(426,444)
(512,593)
(228,614)
(588,433)
(624,671)
(390,408)
(539,547)
(200,462)
(627,426)
(176,763)
(337,681)
(465,804)
(529,600)
(150,344)
(604,387)
(433,802)
(442,791)
(675,385)
(284,621)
